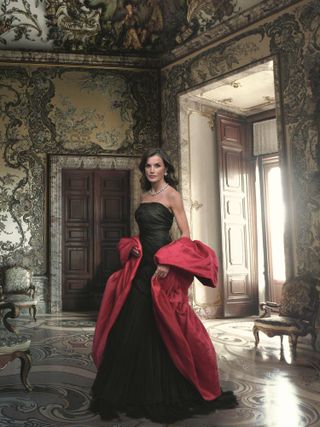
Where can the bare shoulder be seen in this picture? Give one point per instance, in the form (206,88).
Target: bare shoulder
(144,196)
(174,197)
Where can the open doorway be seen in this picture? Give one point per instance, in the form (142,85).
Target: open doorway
(234,164)
(270,209)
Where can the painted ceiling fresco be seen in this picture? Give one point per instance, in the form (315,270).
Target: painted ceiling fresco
(115,26)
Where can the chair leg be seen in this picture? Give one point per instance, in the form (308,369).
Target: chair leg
(256,335)
(26,362)
(33,312)
(281,348)
(294,342)
(314,340)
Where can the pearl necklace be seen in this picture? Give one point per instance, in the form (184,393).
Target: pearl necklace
(154,193)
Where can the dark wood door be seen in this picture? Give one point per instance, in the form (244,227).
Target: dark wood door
(240,288)
(95,216)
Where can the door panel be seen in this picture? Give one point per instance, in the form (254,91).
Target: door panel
(95,217)
(240,290)
(77,237)
(111,221)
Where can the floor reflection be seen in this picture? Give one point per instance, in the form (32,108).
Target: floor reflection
(273,389)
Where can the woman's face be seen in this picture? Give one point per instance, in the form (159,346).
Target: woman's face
(155,169)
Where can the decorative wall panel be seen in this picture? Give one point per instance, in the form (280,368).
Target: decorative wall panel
(52,110)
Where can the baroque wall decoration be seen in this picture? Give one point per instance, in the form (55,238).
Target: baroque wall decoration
(22,20)
(63,111)
(145,27)
(293,39)
(155,25)
(52,110)
(100,25)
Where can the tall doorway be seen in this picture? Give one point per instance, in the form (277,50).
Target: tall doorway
(95,215)
(245,192)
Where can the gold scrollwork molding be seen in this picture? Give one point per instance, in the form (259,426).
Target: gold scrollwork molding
(196,205)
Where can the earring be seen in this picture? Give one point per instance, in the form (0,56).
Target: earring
(166,173)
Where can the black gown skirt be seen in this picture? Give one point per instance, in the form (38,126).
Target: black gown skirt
(137,376)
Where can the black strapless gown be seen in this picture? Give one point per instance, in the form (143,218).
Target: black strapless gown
(137,376)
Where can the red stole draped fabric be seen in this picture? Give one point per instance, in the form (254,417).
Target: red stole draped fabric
(182,332)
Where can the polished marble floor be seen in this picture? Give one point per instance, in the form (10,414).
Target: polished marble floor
(273,390)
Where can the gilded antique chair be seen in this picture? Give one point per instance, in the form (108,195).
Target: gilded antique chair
(13,346)
(296,313)
(18,288)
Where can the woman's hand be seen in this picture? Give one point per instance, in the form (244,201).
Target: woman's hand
(161,271)
(135,252)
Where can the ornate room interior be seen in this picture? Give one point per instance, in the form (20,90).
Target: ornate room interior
(231,90)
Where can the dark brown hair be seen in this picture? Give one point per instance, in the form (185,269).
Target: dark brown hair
(169,178)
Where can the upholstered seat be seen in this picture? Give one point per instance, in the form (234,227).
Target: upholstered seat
(18,288)
(297,313)
(10,342)
(13,346)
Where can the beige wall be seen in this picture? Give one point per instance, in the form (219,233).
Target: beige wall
(200,189)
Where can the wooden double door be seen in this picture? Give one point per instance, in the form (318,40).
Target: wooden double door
(252,243)
(96,214)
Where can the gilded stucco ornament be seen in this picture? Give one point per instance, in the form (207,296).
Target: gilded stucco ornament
(287,41)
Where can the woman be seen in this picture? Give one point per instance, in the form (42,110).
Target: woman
(154,356)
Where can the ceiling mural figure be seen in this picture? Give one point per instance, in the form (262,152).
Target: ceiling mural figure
(97,25)
(129,28)
(132,24)
(129,24)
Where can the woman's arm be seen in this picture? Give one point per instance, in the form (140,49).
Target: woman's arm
(176,204)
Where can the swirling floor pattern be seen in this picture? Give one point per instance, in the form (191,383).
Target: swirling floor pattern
(273,389)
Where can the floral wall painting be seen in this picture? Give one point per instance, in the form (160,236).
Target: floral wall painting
(23,22)
(91,112)
(71,25)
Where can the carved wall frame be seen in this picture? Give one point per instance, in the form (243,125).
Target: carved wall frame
(57,164)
